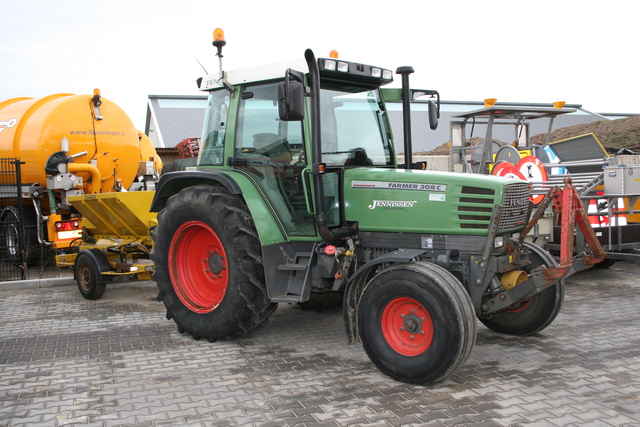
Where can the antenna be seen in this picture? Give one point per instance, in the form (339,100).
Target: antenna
(205,70)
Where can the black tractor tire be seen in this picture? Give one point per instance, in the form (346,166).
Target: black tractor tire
(536,313)
(416,322)
(208,265)
(87,274)
(606,263)
(179,165)
(19,235)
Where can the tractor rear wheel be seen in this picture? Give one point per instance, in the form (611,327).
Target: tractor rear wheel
(536,313)
(208,265)
(416,322)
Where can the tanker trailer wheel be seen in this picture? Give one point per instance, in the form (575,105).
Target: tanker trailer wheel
(208,265)
(417,322)
(19,236)
(536,313)
(87,274)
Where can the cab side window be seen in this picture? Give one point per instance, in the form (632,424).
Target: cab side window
(272,153)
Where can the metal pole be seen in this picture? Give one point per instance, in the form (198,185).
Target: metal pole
(21,226)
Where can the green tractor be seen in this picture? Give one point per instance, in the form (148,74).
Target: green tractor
(297,194)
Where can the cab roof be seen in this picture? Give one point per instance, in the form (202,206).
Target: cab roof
(254,74)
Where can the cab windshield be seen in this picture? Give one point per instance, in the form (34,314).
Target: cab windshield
(354,129)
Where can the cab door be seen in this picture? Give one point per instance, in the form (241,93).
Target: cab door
(271,152)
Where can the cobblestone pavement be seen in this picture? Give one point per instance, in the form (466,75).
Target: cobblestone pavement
(118,361)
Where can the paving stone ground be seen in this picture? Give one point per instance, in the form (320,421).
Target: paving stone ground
(119,362)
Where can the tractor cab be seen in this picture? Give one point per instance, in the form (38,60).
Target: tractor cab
(294,135)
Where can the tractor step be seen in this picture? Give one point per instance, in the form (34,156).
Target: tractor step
(298,283)
(286,299)
(292,267)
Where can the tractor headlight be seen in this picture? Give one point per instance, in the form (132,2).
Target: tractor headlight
(498,242)
(329,65)
(353,71)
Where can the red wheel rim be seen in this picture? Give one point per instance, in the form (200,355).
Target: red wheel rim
(521,307)
(198,267)
(407,326)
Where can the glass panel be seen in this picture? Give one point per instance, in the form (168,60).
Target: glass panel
(211,152)
(274,155)
(353,129)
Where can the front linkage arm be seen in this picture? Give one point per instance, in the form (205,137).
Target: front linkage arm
(568,205)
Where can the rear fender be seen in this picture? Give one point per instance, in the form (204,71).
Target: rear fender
(172,182)
(269,230)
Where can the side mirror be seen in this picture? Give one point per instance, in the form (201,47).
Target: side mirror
(291,97)
(433,115)
(434,106)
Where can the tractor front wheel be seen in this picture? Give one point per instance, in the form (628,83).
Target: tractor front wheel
(208,265)
(536,313)
(416,322)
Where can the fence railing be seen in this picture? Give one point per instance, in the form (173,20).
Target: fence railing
(13,241)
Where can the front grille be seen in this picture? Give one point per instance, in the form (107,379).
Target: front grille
(515,207)
(476,207)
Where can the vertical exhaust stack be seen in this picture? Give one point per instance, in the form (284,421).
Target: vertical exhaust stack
(406,115)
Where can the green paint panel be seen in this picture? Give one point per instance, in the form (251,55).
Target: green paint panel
(269,230)
(414,201)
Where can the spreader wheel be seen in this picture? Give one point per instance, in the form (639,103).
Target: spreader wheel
(87,274)
(416,322)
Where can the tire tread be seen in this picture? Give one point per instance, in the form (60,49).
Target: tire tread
(252,307)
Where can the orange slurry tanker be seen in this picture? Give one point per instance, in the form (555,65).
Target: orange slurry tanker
(76,172)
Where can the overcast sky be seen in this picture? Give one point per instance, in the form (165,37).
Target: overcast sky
(582,52)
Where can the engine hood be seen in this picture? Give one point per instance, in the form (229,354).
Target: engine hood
(414,201)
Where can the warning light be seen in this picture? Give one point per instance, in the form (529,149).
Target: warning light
(333,54)
(489,102)
(67,225)
(218,41)
(96,98)
(218,35)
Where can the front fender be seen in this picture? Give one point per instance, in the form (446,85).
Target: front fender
(358,282)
